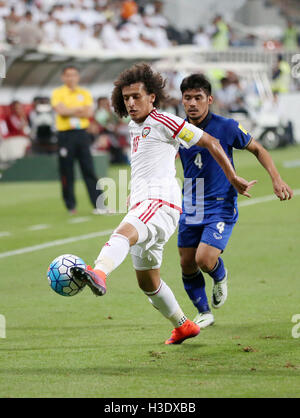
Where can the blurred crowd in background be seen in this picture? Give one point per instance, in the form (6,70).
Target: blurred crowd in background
(115,25)
(32,126)
(88,24)
(118,25)
(32,129)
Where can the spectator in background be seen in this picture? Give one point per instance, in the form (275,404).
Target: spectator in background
(17,121)
(281,77)
(230,98)
(290,37)
(154,13)
(154,34)
(110,36)
(28,33)
(70,35)
(4,9)
(110,135)
(51,31)
(16,142)
(2,30)
(128,9)
(10,22)
(41,119)
(220,34)
(132,36)
(104,114)
(93,41)
(201,38)
(60,13)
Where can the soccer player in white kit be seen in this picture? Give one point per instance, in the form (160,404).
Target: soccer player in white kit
(155,198)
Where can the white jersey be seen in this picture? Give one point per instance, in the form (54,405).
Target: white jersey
(154,145)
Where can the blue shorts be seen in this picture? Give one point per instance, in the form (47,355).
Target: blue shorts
(216,234)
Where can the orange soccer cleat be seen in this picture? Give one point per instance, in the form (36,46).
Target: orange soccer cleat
(188,330)
(95,279)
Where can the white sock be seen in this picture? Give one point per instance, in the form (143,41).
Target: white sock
(164,300)
(113,253)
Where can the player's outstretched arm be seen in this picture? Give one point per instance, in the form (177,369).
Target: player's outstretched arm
(281,189)
(216,150)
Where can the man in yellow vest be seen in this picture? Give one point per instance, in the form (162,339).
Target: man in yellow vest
(74,106)
(281,76)
(220,37)
(290,37)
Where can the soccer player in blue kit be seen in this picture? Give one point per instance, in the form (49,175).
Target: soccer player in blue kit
(209,201)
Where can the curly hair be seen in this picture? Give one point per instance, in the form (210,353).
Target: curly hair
(138,73)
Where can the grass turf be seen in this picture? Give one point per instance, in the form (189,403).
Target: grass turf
(113,346)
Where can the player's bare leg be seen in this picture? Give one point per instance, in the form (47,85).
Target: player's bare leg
(209,260)
(111,256)
(163,299)
(194,284)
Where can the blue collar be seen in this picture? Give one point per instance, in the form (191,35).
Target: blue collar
(202,125)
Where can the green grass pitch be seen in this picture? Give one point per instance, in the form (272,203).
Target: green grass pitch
(109,347)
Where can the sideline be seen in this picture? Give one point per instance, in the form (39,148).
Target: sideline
(49,244)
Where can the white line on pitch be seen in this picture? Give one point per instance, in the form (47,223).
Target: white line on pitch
(38,227)
(291,164)
(5,234)
(108,232)
(55,243)
(79,220)
(263,199)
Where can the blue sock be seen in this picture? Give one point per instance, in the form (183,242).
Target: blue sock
(194,285)
(218,272)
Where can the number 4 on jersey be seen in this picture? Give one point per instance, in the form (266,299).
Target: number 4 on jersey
(198,161)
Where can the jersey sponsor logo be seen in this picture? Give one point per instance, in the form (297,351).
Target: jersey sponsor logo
(80,97)
(186,135)
(146,131)
(243,129)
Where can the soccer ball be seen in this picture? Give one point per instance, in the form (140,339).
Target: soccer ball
(60,278)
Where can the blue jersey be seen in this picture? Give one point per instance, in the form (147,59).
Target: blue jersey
(206,188)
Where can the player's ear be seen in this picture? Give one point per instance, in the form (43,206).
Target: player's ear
(210,99)
(152,98)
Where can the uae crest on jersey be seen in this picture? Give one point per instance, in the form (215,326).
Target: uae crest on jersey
(146,131)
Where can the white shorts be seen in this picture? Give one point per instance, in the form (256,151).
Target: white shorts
(155,221)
